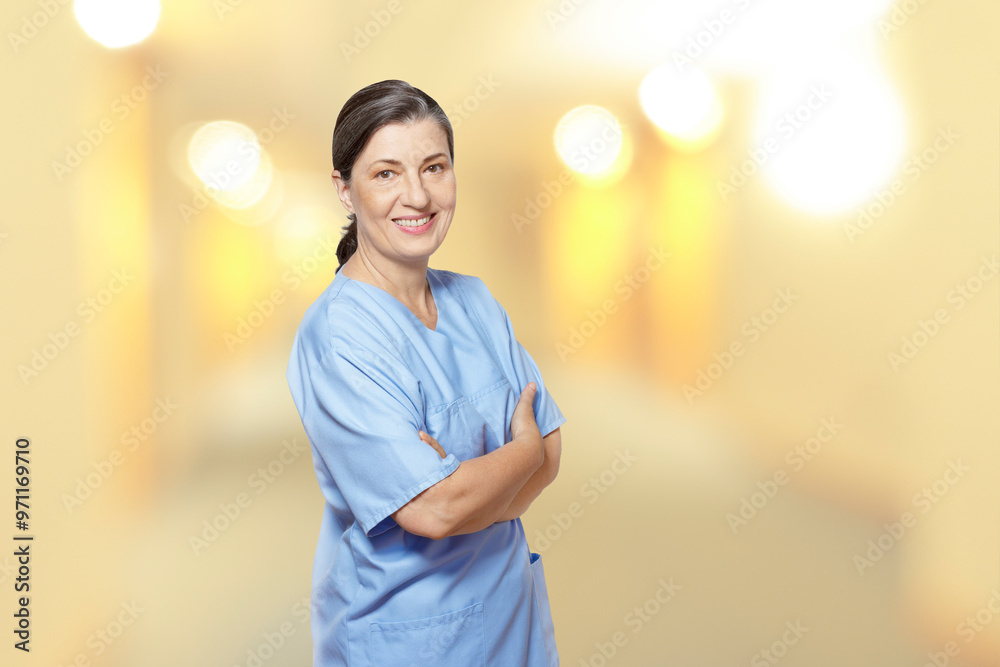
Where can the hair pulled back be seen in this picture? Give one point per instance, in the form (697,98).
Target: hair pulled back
(367,111)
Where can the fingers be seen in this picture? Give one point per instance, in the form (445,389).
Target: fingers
(426,437)
(528,398)
(523,418)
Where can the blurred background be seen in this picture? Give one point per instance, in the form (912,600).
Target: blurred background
(752,245)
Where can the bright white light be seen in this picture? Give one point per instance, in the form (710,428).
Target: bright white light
(765,37)
(837,132)
(229,160)
(224,154)
(117,23)
(250,192)
(747,37)
(589,140)
(682,104)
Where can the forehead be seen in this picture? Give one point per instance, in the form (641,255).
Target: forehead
(405,142)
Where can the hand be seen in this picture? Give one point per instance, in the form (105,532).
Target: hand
(426,437)
(522,422)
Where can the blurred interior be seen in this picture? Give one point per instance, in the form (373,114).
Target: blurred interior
(826,265)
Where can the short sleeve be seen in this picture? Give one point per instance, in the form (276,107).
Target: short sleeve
(361,414)
(548,416)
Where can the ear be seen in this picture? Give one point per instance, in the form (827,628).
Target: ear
(343,191)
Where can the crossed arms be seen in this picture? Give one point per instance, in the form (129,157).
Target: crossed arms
(499,486)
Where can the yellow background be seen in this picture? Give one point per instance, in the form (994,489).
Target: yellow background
(664,518)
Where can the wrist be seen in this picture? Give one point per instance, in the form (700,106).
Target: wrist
(534,447)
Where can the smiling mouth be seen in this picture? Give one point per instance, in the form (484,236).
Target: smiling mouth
(403,222)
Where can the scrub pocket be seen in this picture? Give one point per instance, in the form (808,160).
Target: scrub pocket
(468,426)
(493,405)
(458,638)
(542,597)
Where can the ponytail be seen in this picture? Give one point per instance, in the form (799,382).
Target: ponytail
(348,242)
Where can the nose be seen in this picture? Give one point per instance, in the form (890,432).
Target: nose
(415,195)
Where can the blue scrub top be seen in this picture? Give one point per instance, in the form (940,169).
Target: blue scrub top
(366,374)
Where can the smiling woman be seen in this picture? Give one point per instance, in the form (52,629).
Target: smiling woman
(401,182)
(431,428)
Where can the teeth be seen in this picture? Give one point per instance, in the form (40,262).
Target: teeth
(412,223)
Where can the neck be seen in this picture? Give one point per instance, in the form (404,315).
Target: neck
(406,282)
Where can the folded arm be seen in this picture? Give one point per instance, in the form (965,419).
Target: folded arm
(481,489)
(541,478)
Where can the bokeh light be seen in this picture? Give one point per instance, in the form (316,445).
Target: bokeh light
(230,161)
(589,139)
(117,23)
(683,104)
(837,130)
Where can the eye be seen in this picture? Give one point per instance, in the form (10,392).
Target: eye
(439,167)
(384,171)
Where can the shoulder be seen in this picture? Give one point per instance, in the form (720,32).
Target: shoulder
(470,287)
(480,302)
(345,318)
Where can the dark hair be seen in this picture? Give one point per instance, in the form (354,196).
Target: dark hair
(367,111)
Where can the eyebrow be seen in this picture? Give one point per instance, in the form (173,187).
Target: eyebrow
(400,164)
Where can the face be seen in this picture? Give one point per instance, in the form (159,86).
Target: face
(402,177)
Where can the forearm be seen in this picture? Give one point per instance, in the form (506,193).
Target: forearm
(541,478)
(474,496)
(491,492)
(531,490)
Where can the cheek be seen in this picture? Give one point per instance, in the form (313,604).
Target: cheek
(444,193)
(371,200)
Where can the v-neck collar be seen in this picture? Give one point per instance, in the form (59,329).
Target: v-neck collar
(436,293)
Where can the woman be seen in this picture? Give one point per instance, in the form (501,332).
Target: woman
(421,407)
